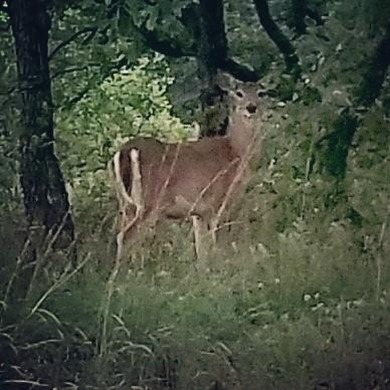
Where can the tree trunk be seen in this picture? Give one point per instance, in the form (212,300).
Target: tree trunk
(339,141)
(332,150)
(300,10)
(299,13)
(45,198)
(374,77)
(212,54)
(213,48)
(281,41)
(206,22)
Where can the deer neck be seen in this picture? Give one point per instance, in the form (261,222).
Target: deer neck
(242,136)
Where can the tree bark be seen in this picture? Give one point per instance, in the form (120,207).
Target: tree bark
(45,198)
(206,22)
(300,10)
(212,55)
(340,139)
(299,13)
(213,47)
(373,79)
(281,41)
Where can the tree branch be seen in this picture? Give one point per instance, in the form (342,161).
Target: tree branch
(5,28)
(163,45)
(102,75)
(300,10)
(314,15)
(239,71)
(4,9)
(345,126)
(7,24)
(91,30)
(281,41)
(189,18)
(375,75)
(72,69)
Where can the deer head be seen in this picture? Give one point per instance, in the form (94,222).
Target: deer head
(246,103)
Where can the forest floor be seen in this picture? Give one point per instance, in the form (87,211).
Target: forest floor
(304,314)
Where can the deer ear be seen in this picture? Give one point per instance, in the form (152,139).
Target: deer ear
(226,81)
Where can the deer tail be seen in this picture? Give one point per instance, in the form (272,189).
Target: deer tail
(118,179)
(136,185)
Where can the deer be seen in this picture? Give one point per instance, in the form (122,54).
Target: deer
(194,180)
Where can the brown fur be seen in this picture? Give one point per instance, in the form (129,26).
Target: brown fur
(186,179)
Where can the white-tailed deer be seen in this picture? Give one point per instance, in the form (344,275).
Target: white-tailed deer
(190,179)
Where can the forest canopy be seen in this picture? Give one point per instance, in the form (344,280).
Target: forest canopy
(296,293)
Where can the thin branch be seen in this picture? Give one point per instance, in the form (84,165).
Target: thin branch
(163,45)
(281,41)
(4,9)
(9,93)
(346,124)
(189,18)
(375,75)
(239,71)
(300,10)
(173,49)
(75,99)
(72,69)
(7,24)
(5,28)
(103,75)
(314,15)
(91,30)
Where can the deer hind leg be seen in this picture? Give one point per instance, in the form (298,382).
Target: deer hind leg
(201,238)
(135,200)
(127,230)
(213,230)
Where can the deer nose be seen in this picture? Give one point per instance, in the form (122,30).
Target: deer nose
(251,108)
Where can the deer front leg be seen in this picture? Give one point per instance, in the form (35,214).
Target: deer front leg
(126,230)
(201,236)
(213,230)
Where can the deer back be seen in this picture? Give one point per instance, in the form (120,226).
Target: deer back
(183,178)
(193,178)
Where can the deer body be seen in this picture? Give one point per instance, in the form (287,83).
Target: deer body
(189,179)
(179,180)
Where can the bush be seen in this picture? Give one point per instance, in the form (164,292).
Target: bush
(129,103)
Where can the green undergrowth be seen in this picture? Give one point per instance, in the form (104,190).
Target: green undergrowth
(294,296)
(292,314)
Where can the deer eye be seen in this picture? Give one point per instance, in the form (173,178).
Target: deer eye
(261,93)
(240,94)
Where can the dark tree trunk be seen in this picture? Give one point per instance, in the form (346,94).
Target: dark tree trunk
(300,10)
(281,41)
(374,77)
(206,22)
(213,47)
(212,55)
(339,141)
(299,13)
(45,197)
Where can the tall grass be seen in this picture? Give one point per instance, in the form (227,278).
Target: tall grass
(297,295)
(292,313)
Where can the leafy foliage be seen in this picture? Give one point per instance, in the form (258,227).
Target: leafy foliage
(129,103)
(298,293)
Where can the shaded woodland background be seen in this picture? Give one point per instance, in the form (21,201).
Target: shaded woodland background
(298,292)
